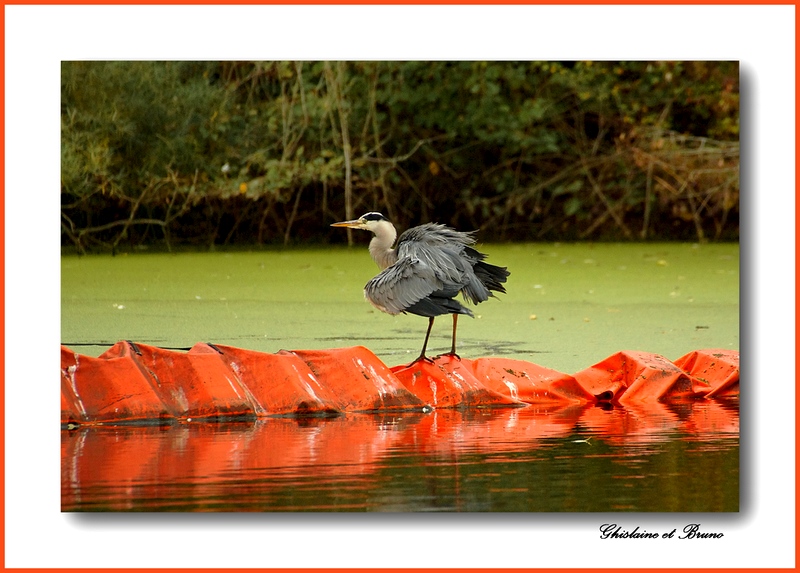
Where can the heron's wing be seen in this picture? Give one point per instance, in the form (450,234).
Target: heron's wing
(399,286)
(437,246)
(437,233)
(448,254)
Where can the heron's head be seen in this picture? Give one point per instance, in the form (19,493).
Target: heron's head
(368,222)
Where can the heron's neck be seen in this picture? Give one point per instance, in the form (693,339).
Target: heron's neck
(380,247)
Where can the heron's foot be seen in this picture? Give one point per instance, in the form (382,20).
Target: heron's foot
(450,354)
(420,358)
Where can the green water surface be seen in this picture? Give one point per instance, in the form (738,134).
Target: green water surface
(568,306)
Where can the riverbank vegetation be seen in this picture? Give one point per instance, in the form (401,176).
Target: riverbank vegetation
(223,153)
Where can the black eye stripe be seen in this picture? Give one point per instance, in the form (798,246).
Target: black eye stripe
(374,217)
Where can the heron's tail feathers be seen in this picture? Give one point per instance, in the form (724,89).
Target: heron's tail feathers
(491,276)
(484,279)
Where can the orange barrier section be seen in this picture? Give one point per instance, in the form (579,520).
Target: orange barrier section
(527,382)
(447,382)
(632,376)
(191,385)
(277,383)
(136,382)
(110,388)
(358,381)
(717,369)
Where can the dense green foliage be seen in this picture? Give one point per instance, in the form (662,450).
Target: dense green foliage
(256,152)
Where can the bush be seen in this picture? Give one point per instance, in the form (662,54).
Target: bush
(252,152)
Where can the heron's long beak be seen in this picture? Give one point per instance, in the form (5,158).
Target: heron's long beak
(354,224)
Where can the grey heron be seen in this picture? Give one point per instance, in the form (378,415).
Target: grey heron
(425,271)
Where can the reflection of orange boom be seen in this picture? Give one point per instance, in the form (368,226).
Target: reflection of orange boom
(149,460)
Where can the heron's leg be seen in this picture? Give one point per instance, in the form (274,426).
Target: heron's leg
(425,344)
(453,346)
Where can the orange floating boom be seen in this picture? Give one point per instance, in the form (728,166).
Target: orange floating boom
(138,383)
